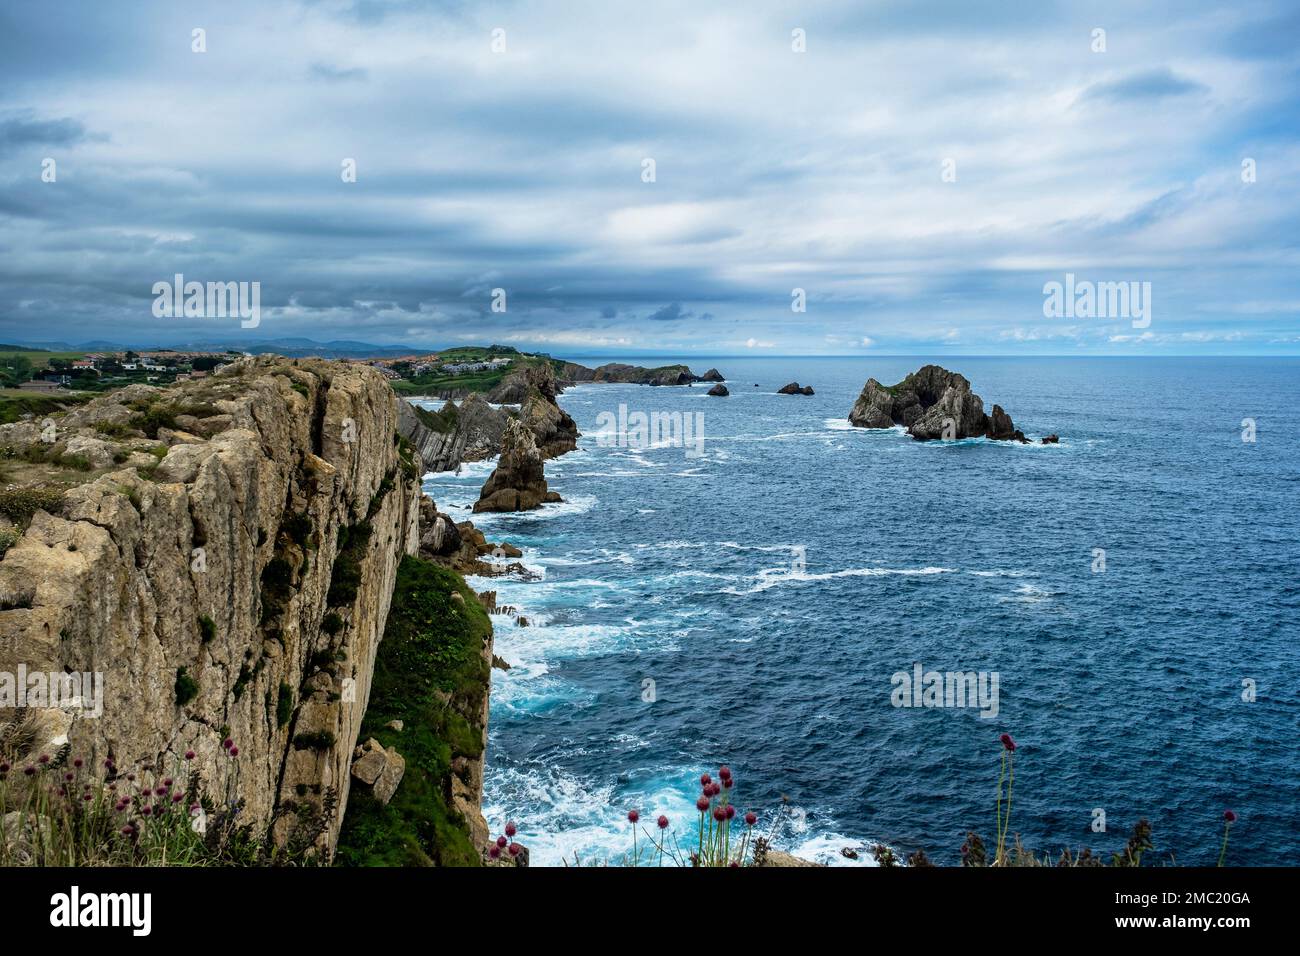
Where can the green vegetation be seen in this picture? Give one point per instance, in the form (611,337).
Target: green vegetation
(187,688)
(284,705)
(207,629)
(430,674)
(320,740)
(8,538)
(16,403)
(332,623)
(345,579)
(19,504)
(442,421)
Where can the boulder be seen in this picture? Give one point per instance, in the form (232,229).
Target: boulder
(712,375)
(96,451)
(379,769)
(1051,440)
(794,389)
(719,390)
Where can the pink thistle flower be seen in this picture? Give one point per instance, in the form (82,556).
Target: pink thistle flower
(731,811)
(1229,816)
(751,818)
(495,852)
(77,763)
(511,829)
(633,816)
(44,758)
(516,849)
(702,804)
(719,813)
(1008,743)
(234,751)
(663,822)
(227,744)
(502,842)
(705,780)
(189,755)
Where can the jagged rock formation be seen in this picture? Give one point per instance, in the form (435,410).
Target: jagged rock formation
(552,428)
(518,483)
(474,430)
(794,389)
(719,390)
(712,375)
(230,579)
(930,403)
(470,432)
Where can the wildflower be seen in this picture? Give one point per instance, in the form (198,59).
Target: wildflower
(751,818)
(227,744)
(131,777)
(146,810)
(719,813)
(127,830)
(502,842)
(633,816)
(731,811)
(511,829)
(108,763)
(494,852)
(160,791)
(1229,818)
(663,822)
(234,751)
(1007,742)
(87,797)
(515,849)
(77,763)
(177,797)
(30,771)
(44,758)
(189,755)
(4,767)
(167,782)
(68,777)
(705,780)
(702,804)
(196,808)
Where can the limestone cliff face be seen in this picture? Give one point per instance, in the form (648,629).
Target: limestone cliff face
(233,584)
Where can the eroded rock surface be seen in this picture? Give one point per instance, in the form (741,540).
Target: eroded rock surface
(932,403)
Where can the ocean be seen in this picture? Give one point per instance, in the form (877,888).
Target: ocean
(1134,588)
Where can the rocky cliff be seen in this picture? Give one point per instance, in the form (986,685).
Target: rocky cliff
(226,563)
(930,403)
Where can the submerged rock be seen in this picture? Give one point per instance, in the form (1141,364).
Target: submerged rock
(794,389)
(931,403)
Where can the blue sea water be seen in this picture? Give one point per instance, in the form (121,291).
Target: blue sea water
(1123,687)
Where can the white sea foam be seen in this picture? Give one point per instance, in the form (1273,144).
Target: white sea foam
(778,577)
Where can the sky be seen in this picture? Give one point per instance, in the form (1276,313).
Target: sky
(920,170)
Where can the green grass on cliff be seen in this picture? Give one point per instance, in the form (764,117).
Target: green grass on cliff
(429,674)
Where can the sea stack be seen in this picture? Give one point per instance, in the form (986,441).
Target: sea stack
(518,483)
(719,390)
(930,403)
(794,389)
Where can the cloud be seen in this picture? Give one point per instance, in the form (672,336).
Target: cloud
(523,171)
(1155,84)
